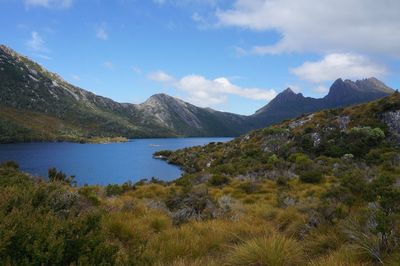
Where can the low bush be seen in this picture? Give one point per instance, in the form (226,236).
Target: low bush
(311,176)
(249,187)
(219,180)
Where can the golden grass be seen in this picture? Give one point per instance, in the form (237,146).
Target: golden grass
(150,191)
(342,257)
(268,250)
(262,233)
(201,239)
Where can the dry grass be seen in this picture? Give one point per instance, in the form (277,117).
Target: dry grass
(199,239)
(342,257)
(270,250)
(262,233)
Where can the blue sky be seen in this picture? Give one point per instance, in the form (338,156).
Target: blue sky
(229,55)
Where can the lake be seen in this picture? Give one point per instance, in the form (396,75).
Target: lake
(101,164)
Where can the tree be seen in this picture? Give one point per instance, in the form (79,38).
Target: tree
(55,176)
(386,195)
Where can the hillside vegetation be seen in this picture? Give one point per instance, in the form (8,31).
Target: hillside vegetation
(37,105)
(322,189)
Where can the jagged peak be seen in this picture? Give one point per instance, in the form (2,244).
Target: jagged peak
(362,85)
(288,91)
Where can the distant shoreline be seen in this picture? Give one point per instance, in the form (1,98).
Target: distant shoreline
(106,140)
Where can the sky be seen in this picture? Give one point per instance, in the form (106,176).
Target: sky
(230,55)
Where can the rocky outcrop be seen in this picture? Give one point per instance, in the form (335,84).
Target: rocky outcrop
(392,120)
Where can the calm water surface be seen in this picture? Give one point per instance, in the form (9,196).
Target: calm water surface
(101,163)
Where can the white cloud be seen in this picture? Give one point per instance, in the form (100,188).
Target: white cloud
(211,92)
(321,89)
(36,43)
(58,4)
(336,65)
(109,65)
(364,26)
(101,32)
(160,76)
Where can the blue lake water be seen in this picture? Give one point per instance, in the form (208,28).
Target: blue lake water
(101,164)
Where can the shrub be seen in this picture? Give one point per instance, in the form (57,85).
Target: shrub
(55,176)
(193,204)
(311,176)
(273,250)
(113,189)
(219,180)
(360,140)
(386,195)
(273,159)
(10,164)
(282,181)
(249,187)
(116,190)
(90,194)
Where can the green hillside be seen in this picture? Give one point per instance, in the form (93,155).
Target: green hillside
(322,189)
(38,105)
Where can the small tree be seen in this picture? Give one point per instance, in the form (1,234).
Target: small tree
(55,176)
(383,192)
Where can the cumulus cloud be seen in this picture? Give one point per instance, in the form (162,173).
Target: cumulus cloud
(211,92)
(365,26)
(59,4)
(36,43)
(336,65)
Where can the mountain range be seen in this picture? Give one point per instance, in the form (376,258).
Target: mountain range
(38,105)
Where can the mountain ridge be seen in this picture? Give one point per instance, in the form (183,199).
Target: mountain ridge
(78,114)
(289,104)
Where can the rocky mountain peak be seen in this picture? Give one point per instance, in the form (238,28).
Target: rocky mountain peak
(373,84)
(161,96)
(287,95)
(288,91)
(348,92)
(162,99)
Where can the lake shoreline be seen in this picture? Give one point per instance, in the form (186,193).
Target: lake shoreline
(107,140)
(113,163)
